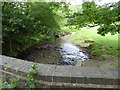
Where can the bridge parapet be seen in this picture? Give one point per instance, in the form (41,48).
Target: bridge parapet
(62,75)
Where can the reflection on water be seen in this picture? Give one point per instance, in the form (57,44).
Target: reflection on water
(60,52)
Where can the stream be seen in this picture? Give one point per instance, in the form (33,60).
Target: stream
(60,52)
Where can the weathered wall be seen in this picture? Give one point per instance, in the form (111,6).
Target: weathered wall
(57,75)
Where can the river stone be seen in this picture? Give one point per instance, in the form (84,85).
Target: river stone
(79,63)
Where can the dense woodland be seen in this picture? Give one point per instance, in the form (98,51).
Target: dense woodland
(25,24)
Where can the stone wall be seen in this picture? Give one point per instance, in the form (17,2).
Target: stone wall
(56,75)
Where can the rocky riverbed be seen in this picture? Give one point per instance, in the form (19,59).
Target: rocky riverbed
(60,52)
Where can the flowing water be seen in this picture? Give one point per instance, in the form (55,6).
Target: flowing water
(60,52)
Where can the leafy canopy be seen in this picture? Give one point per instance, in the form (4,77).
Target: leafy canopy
(106,16)
(26,23)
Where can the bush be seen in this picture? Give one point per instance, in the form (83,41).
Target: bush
(25,24)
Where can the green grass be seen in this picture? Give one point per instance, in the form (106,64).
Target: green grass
(107,44)
(68,29)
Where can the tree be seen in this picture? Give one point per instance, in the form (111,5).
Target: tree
(106,16)
(26,23)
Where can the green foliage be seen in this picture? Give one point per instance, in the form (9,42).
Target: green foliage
(106,16)
(12,84)
(96,49)
(31,79)
(13,81)
(113,29)
(26,23)
(34,69)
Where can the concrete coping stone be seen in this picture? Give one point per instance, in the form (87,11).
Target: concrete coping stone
(57,73)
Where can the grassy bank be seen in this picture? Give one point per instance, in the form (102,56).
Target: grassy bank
(99,46)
